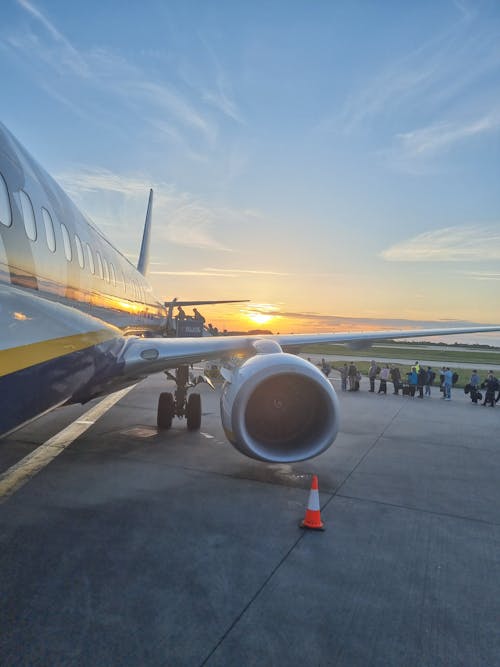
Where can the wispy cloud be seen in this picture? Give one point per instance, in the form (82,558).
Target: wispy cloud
(191,224)
(164,97)
(95,179)
(443,68)
(450,244)
(482,275)
(181,218)
(450,81)
(250,271)
(71,58)
(198,274)
(46,50)
(440,136)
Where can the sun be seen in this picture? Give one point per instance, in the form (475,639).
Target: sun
(260,318)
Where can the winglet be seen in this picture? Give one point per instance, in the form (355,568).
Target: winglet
(142,264)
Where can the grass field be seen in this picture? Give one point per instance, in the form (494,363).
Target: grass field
(442,355)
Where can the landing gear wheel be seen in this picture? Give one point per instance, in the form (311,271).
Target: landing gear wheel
(165,410)
(193,412)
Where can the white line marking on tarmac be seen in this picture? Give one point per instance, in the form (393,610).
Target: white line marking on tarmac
(207,435)
(20,473)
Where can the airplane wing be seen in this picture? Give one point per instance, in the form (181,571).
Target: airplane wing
(176,303)
(149,355)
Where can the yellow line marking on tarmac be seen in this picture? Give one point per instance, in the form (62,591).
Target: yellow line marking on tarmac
(20,473)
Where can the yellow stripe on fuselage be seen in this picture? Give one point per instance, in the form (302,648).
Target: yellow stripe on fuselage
(17,358)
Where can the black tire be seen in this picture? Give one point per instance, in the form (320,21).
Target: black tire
(193,412)
(165,410)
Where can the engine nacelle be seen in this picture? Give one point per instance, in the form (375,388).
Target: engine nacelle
(279,408)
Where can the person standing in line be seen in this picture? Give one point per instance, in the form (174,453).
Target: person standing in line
(352,374)
(475,383)
(417,367)
(358,380)
(373,371)
(384,376)
(412,380)
(396,379)
(344,374)
(421,380)
(429,380)
(491,386)
(448,381)
(325,367)
(441,381)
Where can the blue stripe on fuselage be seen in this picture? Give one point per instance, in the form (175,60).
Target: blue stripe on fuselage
(74,378)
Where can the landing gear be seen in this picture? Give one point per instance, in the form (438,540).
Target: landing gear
(179,404)
(193,412)
(166,410)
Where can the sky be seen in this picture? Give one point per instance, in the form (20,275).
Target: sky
(336,163)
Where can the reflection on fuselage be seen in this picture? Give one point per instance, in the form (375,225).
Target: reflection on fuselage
(48,246)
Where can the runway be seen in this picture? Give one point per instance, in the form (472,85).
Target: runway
(138,548)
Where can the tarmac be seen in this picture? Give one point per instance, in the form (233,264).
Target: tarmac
(134,547)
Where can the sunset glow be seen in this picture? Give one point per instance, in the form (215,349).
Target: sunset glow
(346,170)
(260,318)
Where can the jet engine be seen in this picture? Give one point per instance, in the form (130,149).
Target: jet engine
(277,407)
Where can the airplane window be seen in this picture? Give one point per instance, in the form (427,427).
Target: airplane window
(5,212)
(113,274)
(79,251)
(106,269)
(66,242)
(99,264)
(28,216)
(90,257)
(49,230)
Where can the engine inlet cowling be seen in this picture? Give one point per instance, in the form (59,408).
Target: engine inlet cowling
(280,408)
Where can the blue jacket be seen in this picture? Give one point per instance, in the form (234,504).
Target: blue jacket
(412,377)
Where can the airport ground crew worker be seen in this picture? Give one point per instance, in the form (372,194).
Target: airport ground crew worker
(198,316)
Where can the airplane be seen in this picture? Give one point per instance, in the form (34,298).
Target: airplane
(78,321)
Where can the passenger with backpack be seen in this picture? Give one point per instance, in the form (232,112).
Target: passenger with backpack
(474,384)
(491,385)
(421,380)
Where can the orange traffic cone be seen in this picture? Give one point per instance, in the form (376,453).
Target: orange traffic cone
(313,515)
